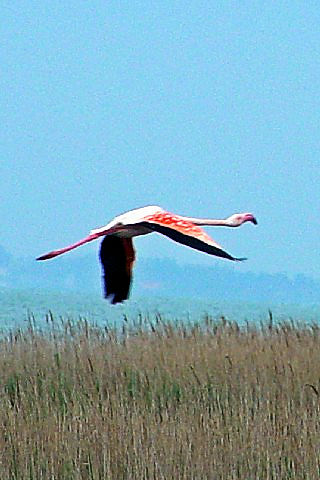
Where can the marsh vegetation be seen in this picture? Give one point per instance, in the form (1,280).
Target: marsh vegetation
(157,400)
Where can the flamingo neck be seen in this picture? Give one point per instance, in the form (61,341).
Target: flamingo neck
(209,221)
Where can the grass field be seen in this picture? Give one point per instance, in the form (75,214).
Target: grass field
(160,401)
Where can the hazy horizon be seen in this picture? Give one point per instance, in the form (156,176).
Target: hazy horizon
(159,277)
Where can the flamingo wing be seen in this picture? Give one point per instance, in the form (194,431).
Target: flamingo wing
(117,257)
(185,232)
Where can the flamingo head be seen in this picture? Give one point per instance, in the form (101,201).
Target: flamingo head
(239,218)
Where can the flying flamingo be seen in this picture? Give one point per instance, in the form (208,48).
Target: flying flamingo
(117,253)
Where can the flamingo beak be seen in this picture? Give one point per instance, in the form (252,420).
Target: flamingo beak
(250,218)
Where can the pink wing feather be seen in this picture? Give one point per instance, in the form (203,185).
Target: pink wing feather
(181,225)
(185,232)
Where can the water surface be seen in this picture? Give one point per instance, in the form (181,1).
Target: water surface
(16,305)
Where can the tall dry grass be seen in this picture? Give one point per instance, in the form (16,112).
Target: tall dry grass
(159,401)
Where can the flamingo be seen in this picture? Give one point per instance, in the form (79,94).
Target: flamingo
(117,254)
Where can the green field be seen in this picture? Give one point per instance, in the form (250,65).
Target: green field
(160,401)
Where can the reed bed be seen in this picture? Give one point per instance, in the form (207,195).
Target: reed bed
(160,400)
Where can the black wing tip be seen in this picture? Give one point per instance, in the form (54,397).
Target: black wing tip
(241,259)
(113,299)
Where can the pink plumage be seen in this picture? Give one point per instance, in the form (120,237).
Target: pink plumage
(117,253)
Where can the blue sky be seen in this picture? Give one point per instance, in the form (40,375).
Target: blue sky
(205,108)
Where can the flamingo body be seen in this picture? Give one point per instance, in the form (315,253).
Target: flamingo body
(117,254)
